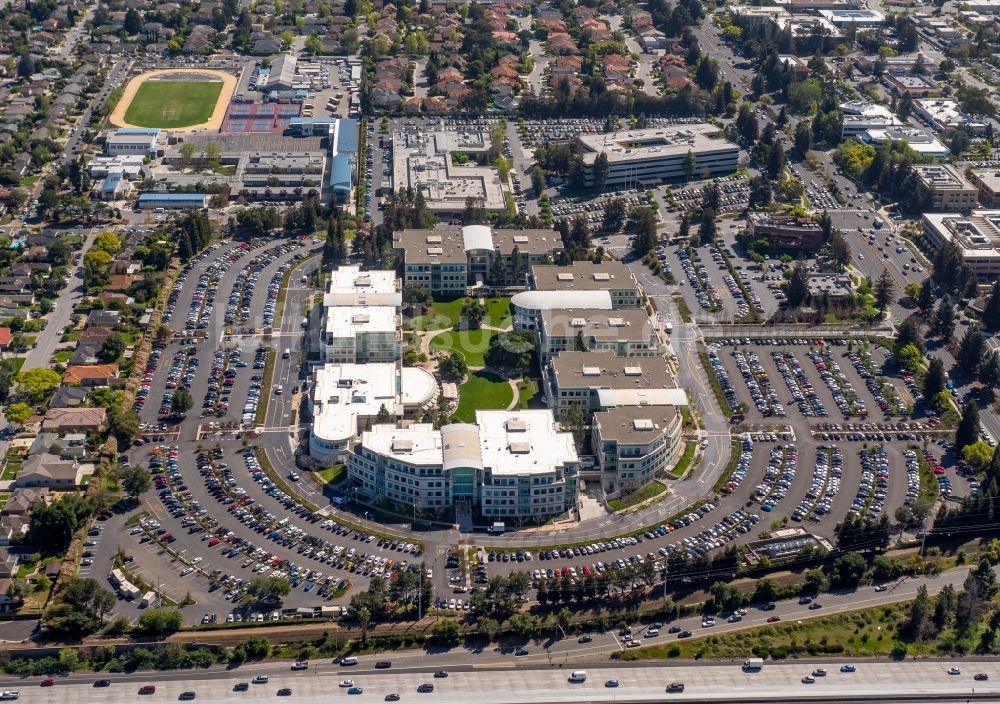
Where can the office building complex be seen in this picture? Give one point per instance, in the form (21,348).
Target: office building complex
(949,189)
(977,236)
(651,157)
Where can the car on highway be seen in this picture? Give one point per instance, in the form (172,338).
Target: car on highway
(187,696)
(9,694)
(48,682)
(300,665)
(585,639)
(348,661)
(675,687)
(611,683)
(881,587)
(773,619)
(440,674)
(383,664)
(981,677)
(102,683)
(848,668)
(285,692)
(954,670)
(808,679)
(425,688)
(815,605)
(241,687)
(355,690)
(259,679)
(819,672)
(520,652)
(347,683)
(147,689)
(684,634)
(392,697)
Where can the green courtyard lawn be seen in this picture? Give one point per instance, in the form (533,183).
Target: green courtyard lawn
(168,104)
(471,343)
(447,314)
(481,391)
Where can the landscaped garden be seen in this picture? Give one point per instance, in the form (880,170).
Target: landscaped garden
(472,344)
(442,315)
(481,390)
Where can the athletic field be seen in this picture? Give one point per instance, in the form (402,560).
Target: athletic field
(168,104)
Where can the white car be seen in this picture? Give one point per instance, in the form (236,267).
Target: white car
(347,683)
(9,694)
(954,670)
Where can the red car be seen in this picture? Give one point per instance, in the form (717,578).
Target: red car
(147,689)
(48,682)
(772,619)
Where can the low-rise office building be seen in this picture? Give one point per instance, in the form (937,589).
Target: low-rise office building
(507,465)
(347,398)
(171,201)
(361,334)
(851,17)
(949,189)
(447,261)
(786,232)
(860,116)
(945,114)
(626,332)
(976,235)
(912,84)
(657,155)
(608,285)
(350,286)
(987,183)
(634,445)
(130,141)
(921,141)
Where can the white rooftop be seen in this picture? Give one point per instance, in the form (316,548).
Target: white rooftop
(611,398)
(418,444)
(350,286)
(350,321)
(558,300)
(521,443)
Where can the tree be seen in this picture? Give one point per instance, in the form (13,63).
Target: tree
(112,348)
(798,289)
(160,622)
(79,608)
(474,313)
(96,264)
(181,402)
(383,416)
(934,380)
(991,311)
(580,343)
(538,181)
(971,353)
(615,212)
(38,383)
(885,291)
(803,136)
(488,627)
(187,150)
(776,160)
(18,413)
(708,229)
(123,423)
(252,649)
(212,153)
(135,480)
(447,632)
(571,420)
(908,357)
(314,45)
(944,318)
(978,454)
(967,431)
(454,366)
(848,570)
(269,588)
(689,165)
(25,66)
(600,171)
(925,299)
(916,625)
(510,350)
(840,250)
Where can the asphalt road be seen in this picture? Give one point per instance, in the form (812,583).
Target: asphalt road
(551,683)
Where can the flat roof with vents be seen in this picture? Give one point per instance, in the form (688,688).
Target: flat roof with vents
(402,445)
(605,276)
(541,448)
(350,321)
(350,286)
(519,448)
(433,239)
(576,370)
(516,425)
(435,251)
(635,425)
(642,424)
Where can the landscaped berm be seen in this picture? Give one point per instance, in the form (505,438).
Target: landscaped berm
(179,100)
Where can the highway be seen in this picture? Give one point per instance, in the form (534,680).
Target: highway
(882,681)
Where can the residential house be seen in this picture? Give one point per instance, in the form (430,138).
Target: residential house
(48,470)
(91,375)
(79,420)
(69,396)
(23,501)
(103,318)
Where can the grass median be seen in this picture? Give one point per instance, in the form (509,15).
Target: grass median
(265,388)
(643,493)
(713,380)
(736,450)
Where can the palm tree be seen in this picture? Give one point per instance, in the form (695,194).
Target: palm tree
(364,618)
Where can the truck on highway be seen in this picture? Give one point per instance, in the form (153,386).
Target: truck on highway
(753,665)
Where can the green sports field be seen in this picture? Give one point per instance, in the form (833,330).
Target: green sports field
(168,104)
